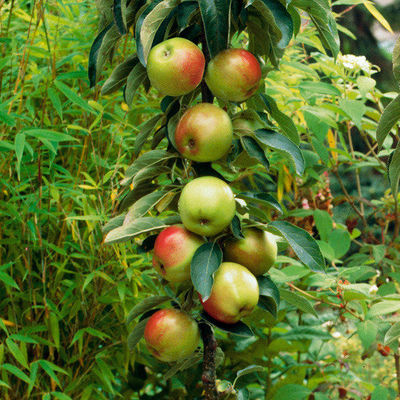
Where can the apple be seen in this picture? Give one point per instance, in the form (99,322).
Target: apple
(175,67)
(173,251)
(206,205)
(204,133)
(171,335)
(233,75)
(234,293)
(257,251)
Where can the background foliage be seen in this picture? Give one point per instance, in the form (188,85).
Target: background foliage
(65,298)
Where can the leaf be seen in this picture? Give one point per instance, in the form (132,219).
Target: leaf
(396,61)
(47,134)
(297,301)
(138,227)
(145,305)
(380,393)
(101,48)
(7,118)
(392,334)
(183,364)
(113,223)
(261,198)
(248,370)
(285,123)
(238,329)
(17,353)
(145,132)
(301,333)
(292,392)
(72,96)
(303,244)
(8,280)
(269,295)
(206,260)
(324,223)
(367,331)
(283,20)
(236,228)
(134,80)
(15,371)
(55,99)
(215,16)
(152,22)
(369,5)
(119,75)
(394,171)
(318,88)
(119,16)
(282,143)
(390,116)
(137,333)
(355,109)
(253,149)
(384,307)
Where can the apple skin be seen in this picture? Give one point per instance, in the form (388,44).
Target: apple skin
(175,67)
(234,293)
(233,75)
(206,205)
(257,251)
(204,133)
(171,335)
(173,252)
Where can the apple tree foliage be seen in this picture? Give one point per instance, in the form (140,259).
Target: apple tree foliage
(152,183)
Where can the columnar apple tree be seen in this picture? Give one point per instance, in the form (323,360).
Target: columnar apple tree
(213,235)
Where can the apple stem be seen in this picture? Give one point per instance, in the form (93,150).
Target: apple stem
(209,375)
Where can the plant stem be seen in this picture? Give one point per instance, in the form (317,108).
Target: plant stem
(209,375)
(397,364)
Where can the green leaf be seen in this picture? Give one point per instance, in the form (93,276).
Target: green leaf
(384,307)
(394,171)
(380,393)
(301,333)
(145,305)
(285,123)
(269,295)
(367,331)
(5,278)
(282,143)
(292,392)
(389,118)
(137,333)
(238,329)
(7,118)
(312,88)
(61,396)
(143,205)
(120,16)
(396,61)
(340,241)
(248,370)
(392,334)
(253,149)
(236,228)
(55,99)
(134,80)
(215,16)
(55,329)
(47,134)
(145,131)
(119,75)
(152,22)
(205,262)
(72,96)
(302,243)
(16,371)
(297,301)
(19,355)
(261,198)
(355,109)
(324,223)
(138,227)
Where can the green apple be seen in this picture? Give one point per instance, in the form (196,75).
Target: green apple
(206,205)
(171,335)
(173,251)
(204,133)
(233,75)
(257,251)
(175,67)
(234,293)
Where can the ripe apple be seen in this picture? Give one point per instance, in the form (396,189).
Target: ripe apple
(204,133)
(173,251)
(257,251)
(206,205)
(233,75)
(234,293)
(175,67)
(171,335)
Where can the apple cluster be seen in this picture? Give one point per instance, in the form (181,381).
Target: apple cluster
(207,206)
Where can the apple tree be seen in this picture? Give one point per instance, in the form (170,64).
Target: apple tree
(201,194)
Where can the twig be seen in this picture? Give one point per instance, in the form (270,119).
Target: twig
(209,375)
(397,364)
